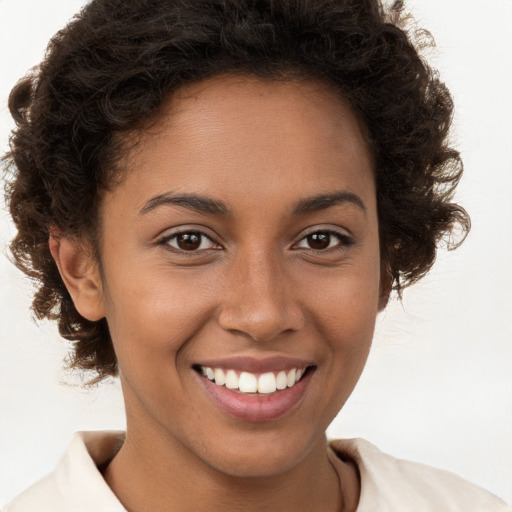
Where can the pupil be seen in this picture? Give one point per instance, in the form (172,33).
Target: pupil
(319,240)
(189,241)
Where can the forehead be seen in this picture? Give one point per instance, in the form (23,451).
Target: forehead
(227,93)
(234,134)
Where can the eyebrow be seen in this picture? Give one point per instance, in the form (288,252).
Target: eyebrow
(324,201)
(211,206)
(194,202)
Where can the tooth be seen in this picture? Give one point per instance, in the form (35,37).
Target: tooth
(220,378)
(290,378)
(209,373)
(298,375)
(248,383)
(281,380)
(231,379)
(267,383)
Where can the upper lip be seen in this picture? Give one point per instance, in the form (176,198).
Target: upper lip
(256,365)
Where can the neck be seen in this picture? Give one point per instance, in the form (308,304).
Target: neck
(157,469)
(156,474)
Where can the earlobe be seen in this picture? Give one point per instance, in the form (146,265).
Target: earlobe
(80,274)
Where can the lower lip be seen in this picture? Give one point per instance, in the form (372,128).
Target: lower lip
(256,408)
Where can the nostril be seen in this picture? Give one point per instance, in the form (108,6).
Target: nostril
(259,327)
(261,312)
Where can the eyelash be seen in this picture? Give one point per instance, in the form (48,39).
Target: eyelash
(167,239)
(344,241)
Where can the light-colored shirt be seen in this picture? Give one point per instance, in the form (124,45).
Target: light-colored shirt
(387,484)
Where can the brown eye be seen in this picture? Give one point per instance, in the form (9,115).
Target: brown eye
(322,240)
(319,240)
(190,241)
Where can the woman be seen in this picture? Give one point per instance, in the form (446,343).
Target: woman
(217,199)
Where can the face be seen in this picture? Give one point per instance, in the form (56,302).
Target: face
(241,272)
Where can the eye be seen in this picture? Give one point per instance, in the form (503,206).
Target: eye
(324,240)
(190,241)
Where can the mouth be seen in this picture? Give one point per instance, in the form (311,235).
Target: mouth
(258,395)
(253,383)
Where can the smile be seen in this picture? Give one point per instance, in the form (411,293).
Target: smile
(256,391)
(247,382)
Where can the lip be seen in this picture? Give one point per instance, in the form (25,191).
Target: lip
(254,365)
(251,407)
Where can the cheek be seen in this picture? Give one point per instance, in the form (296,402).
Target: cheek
(344,310)
(157,311)
(346,304)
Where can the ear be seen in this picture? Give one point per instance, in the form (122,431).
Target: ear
(80,274)
(386,284)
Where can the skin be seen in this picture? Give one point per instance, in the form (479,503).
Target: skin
(254,288)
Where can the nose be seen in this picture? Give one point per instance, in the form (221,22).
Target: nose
(260,300)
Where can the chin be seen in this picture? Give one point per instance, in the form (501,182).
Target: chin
(261,456)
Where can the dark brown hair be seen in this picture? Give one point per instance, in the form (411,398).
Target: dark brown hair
(110,69)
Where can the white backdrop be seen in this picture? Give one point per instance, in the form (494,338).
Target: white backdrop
(438,385)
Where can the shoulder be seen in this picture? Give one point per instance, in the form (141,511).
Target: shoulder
(396,485)
(76,483)
(41,494)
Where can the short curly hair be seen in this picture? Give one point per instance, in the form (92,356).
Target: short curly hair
(108,71)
